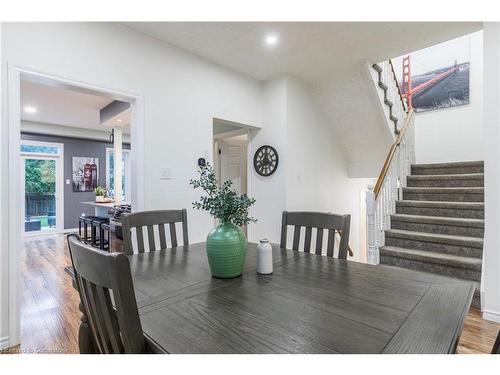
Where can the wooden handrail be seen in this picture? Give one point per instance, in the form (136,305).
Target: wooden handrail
(392,152)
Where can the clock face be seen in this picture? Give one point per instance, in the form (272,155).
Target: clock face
(265,160)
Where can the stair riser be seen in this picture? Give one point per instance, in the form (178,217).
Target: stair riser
(434,247)
(445,212)
(445,183)
(446,170)
(438,229)
(447,197)
(439,269)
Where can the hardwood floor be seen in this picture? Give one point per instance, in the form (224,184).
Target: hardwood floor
(50,317)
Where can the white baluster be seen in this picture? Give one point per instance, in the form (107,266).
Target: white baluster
(371,207)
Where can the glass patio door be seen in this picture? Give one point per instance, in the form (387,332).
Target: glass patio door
(42,181)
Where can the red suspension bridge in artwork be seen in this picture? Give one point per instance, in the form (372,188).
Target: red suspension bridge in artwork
(407,86)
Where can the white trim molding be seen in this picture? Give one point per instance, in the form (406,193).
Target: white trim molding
(491,315)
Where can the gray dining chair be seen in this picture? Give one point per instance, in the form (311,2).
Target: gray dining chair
(106,290)
(321,221)
(496,346)
(150,219)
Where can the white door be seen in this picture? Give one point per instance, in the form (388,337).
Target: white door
(233,163)
(42,188)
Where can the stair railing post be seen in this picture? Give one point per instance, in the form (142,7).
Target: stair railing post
(372,246)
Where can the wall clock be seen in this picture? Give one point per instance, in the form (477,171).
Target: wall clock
(265,160)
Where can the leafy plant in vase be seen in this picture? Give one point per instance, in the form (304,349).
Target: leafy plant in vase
(226,243)
(100,194)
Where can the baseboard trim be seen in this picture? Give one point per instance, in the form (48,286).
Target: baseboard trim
(70,230)
(4,343)
(491,315)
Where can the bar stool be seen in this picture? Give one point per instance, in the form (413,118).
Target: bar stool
(89,238)
(100,241)
(105,244)
(84,221)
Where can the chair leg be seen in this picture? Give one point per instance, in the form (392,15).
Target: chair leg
(85,233)
(101,238)
(92,235)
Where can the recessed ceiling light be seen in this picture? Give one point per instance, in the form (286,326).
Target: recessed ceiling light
(30,110)
(119,120)
(271,40)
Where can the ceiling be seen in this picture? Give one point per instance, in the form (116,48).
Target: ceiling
(61,106)
(312,51)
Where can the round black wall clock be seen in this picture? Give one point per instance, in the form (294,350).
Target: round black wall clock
(265,160)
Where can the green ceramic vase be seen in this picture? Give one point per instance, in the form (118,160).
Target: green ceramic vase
(226,250)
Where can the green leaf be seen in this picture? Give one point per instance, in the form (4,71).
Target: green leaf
(221,201)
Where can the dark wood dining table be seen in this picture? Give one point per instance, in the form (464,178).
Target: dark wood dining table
(309,304)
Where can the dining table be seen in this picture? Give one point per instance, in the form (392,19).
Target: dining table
(309,304)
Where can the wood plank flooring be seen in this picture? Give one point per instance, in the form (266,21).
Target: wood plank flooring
(50,317)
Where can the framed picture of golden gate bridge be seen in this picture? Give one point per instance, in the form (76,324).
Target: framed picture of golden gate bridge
(436,77)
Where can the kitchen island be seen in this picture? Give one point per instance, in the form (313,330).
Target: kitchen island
(101,209)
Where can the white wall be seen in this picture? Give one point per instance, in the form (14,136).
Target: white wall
(182,94)
(317,168)
(4,322)
(455,133)
(270,192)
(491,252)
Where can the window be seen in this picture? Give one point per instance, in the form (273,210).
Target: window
(33,147)
(110,173)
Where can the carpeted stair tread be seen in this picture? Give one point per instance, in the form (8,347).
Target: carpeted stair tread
(432,257)
(442,204)
(436,238)
(446,180)
(462,176)
(443,190)
(439,220)
(454,164)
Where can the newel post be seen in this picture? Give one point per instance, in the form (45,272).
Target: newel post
(373,255)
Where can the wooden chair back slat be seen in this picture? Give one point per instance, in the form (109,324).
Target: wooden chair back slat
(150,219)
(319,241)
(109,320)
(284,230)
(331,243)
(296,238)
(184,228)
(173,235)
(163,239)
(151,238)
(307,241)
(140,239)
(320,221)
(102,279)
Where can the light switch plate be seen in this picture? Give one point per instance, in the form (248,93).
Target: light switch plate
(68,181)
(165,173)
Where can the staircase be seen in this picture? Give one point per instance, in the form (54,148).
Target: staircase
(438,227)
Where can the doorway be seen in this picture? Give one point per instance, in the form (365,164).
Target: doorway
(49,250)
(42,188)
(231,149)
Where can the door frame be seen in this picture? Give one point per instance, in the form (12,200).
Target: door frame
(14,76)
(250,132)
(59,159)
